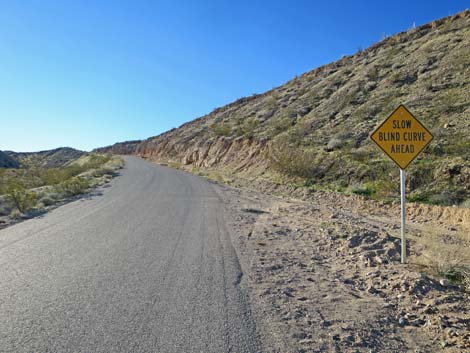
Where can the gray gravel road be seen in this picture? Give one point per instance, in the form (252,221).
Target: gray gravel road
(146,267)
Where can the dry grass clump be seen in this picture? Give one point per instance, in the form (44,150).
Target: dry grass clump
(174,164)
(447,256)
(217,176)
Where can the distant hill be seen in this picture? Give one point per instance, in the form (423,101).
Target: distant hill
(314,130)
(7,161)
(58,157)
(127,147)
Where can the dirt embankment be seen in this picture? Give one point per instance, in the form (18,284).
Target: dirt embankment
(237,155)
(442,216)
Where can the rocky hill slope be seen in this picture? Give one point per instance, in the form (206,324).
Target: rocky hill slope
(58,157)
(127,147)
(314,129)
(8,162)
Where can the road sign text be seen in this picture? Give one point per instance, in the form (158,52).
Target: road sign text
(402,137)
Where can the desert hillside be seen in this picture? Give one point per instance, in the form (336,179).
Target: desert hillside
(57,157)
(8,162)
(314,130)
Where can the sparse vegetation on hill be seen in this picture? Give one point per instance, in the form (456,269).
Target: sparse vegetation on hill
(32,176)
(36,187)
(20,197)
(324,117)
(127,147)
(58,157)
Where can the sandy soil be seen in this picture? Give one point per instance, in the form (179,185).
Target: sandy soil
(324,275)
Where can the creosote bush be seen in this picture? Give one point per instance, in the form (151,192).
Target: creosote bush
(19,197)
(248,128)
(221,129)
(293,160)
(75,186)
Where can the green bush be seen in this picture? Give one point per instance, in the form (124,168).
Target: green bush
(221,129)
(280,125)
(419,196)
(54,176)
(249,127)
(75,186)
(19,197)
(363,190)
(103,171)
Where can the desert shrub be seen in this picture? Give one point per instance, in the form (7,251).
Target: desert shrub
(75,186)
(448,101)
(53,176)
(116,163)
(386,188)
(445,198)
(5,209)
(280,125)
(103,171)
(459,146)
(420,175)
(53,183)
(446,256)
(373,73)
(249,127)
(337,141)
(296,134)
(402,77)
(215,175)
(19,197)
(363,190)
(465,204)
(420,196)
(48,200)
(24,176)
(292,160)
(362,155)
(221,129)
(271,102)
(334,143)
(174,164)
(96,160)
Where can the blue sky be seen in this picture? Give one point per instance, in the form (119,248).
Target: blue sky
(88,73)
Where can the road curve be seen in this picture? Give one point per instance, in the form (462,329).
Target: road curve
(148,266)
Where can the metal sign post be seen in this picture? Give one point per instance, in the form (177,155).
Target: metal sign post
(403,215)
(402,137)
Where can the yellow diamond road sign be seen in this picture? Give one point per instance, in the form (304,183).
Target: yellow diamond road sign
(402,137)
